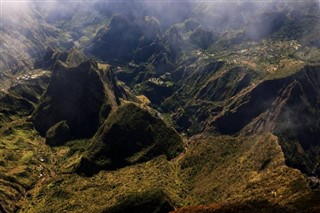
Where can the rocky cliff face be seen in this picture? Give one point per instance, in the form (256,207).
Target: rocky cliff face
(294,118)
(82,95)
(236,101)
(239,82)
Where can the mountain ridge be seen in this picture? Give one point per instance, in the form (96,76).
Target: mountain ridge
(120,106)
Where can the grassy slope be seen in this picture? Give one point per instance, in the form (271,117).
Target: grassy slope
(229,169)
(106,189)
(25,162)
(219,169)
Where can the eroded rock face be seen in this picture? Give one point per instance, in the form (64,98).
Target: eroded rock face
(236,101)
(288,108)
(82,96)
(130,135)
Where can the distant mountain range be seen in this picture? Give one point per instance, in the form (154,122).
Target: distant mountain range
(160,106)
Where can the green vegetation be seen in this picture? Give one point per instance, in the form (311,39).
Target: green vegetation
(232,169)
(58,134)
(25,161)
(130,135)
(219,169)
(154,184)
(155,89)
(241,80)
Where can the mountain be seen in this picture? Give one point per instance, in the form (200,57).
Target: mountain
(130,135)
(144,106)
(82,95)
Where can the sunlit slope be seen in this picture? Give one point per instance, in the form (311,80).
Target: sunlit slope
(159,107)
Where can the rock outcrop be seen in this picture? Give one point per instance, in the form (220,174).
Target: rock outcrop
(58,134)
(83,96)
(286,107)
